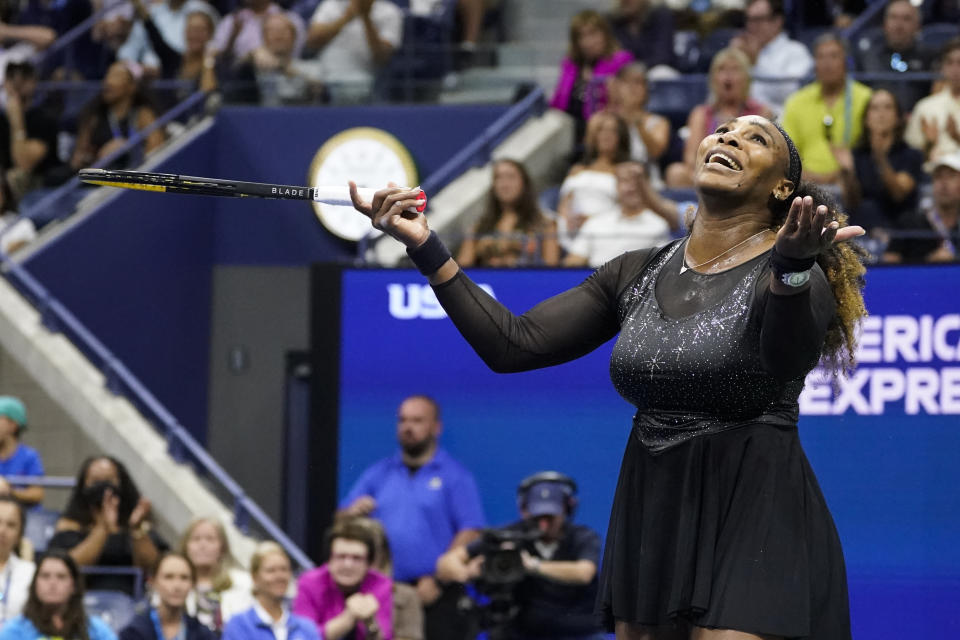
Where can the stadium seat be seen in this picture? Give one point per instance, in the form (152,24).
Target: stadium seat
(113,607)
(39,527)
(712,43)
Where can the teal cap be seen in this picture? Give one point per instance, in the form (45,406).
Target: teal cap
(12,408)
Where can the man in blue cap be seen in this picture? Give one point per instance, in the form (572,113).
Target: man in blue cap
(17,459)
(556,597)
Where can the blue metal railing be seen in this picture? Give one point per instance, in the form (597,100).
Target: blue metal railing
(135,140)
(120,380)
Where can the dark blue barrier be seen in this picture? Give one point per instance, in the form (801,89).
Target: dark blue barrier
(884,450)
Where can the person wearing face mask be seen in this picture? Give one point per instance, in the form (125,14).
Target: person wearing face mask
(221,589)
(428,503)
(557,596)
(107,523)
(173,580)
(270,618)
(15,572)
(54,607)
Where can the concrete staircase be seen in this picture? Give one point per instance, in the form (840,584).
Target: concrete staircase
(538,37)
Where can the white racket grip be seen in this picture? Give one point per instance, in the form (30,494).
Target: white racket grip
(340,196)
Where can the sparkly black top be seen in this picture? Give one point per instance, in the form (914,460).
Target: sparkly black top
(696,354)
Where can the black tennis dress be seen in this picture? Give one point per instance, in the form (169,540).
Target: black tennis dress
(717,517)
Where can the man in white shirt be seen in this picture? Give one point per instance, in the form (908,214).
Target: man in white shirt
(934,125)
(354,38)
(641,221)
(773,53)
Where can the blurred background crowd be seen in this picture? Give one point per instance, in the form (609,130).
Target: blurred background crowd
(875,118)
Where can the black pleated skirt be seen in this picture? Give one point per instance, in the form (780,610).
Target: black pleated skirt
(726,531)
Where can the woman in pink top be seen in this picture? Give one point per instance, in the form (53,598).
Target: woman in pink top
(728,99)
(592,57)
(345,596)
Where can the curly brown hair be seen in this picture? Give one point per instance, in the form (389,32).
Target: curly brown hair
(843,265)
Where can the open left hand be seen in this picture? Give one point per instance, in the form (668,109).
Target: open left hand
(806,233)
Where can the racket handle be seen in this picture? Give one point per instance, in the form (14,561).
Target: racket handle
(340,196)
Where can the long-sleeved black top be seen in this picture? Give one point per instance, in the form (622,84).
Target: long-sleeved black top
(696,353)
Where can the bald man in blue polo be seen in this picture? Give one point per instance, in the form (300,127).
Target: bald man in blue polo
(427,501)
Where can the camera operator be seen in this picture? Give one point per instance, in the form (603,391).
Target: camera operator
(554,594)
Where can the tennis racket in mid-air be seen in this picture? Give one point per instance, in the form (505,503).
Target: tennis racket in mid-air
(173,183)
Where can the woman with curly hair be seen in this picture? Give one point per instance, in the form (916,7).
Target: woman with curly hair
(54,608)
(719,529)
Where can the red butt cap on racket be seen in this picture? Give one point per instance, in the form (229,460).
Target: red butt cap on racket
(341,196)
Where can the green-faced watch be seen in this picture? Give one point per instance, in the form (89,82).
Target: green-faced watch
(795,279)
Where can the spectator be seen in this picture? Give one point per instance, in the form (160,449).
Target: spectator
(881,176)
(168,20)
(270,618)
(240,32)
(649,132)
(20,36)
(15,232)
(28,133)
(117,113)
(173,580)
(634,224)
(939,218)
(729,98)
(934,125)
(590,188)
(195,60)
(84,58)
(54,607)
(17,459)
(17,573)
(645,29)
(556,597)
(772,53)
(898,51)
(281,78)
(407,608)
(827,113)
(593,56)
(513,231)
(428,503)
(347,598)
(354,38)
(470,14)
(221,591)
(107,523)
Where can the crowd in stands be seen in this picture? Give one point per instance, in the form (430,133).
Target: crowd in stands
(756,55)
(403,559)
(870,131)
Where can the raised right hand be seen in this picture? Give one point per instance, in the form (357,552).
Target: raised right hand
(391,212)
